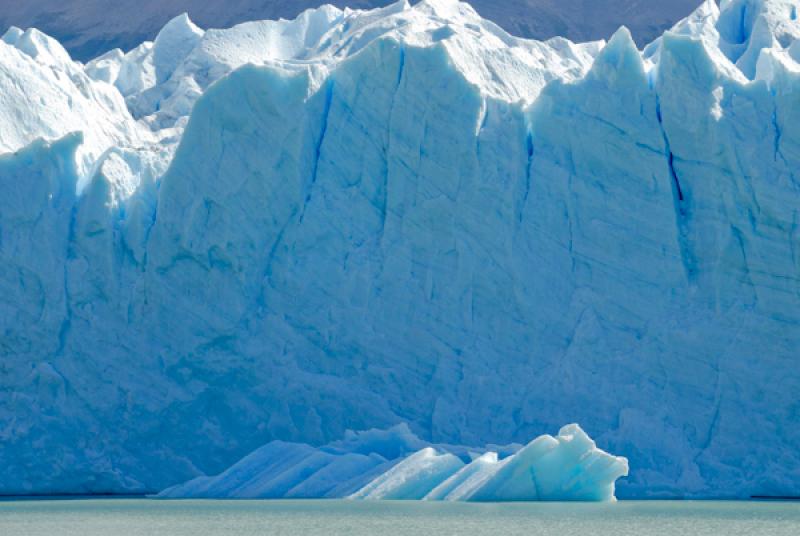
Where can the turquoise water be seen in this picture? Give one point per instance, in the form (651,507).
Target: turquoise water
(142,517)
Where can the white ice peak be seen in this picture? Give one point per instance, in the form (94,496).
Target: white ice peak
(162,80)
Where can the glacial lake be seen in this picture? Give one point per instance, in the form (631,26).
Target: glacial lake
(144,517)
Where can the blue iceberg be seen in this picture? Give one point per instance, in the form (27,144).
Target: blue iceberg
(568,467)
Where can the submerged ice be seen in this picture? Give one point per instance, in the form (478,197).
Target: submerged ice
(287,229)
(566,467)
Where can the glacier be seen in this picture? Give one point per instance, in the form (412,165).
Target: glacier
(382,464)
(87,28)
(359,218)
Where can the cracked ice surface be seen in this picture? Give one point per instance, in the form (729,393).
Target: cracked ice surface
(288,229)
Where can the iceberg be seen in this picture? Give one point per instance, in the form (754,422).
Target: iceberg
(568,467)
(283,230)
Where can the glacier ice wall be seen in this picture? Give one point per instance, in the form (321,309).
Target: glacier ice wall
(290,229)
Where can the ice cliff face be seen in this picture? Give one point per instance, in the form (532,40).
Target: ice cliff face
(357,218)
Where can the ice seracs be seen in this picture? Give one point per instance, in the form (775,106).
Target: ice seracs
(174,42)
(740,30)
(88,30)
(287,229)
(503,66)
(44,94)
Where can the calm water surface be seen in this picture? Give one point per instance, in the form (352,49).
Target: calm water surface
(140,517)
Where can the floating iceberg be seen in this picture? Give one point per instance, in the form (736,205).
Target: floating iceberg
(568,467)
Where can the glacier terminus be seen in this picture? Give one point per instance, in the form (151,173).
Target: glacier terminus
(227,247)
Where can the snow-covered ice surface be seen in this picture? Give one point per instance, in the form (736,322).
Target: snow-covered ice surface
(354,219)
(44,94)
(88,28)
(383,465)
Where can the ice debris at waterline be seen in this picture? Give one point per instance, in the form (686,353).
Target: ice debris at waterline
(377,465)
(287,229)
